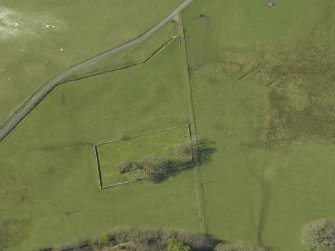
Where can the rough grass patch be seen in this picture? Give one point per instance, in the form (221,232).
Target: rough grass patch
(319,234)
(292,122)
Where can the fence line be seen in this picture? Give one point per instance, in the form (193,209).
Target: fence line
(98,165)
(140,135)
(118,68)
(199,190)
(122,183)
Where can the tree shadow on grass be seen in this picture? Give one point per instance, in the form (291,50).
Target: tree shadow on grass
(157,168)
(205,151)
(201,151)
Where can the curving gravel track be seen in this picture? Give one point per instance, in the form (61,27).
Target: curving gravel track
(14,121)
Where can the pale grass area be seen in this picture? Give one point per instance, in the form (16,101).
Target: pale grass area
(14,24)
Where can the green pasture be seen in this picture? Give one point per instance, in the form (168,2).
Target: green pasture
(51,36)
(49,189)
(263,90)
(262,82)
(157,144)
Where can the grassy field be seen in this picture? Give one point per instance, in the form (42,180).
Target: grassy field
(131,150)
(43,38)
(262,82)
(263,96)
(48,168)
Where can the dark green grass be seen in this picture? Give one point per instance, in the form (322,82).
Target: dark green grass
(48,168)
(159,144)
(262,82)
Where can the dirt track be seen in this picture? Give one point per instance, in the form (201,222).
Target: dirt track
(14,121)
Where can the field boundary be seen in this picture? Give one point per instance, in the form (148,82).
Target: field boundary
(199,188)
(122,67)
(98,165)
(141,134)
(95,147)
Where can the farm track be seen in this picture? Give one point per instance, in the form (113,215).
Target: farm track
(199,188)
(26,108)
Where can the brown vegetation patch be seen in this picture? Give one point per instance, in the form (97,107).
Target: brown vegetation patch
(309,67)
(13,230)
(307,64)
(290,124)
(319,235)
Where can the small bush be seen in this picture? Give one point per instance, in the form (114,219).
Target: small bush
(125,166)
(124,137)
(104,239)
(197,241)
(173,244)
(237,247)
(319,235)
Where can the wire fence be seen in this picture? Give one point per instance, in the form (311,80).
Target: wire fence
(141,134)
(136,179)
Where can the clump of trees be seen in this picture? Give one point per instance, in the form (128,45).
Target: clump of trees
(319,235)
(151,239)
(154,168)
(185,151)
(157,168)
(148,239)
